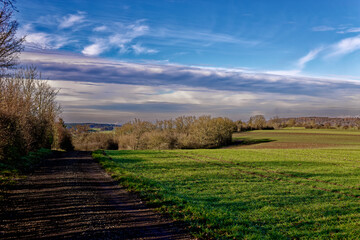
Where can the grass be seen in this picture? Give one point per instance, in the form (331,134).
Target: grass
(11,171)
(251,193)
(248,193)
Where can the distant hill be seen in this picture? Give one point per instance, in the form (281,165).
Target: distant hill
(98,126)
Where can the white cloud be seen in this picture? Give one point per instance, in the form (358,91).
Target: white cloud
(138,49)
(308,57)
(94,49)
(300,64)
(292,72)
(199,36)
(345,46)
(100,29)
(339,29)
(353,30)
(126,33)
(323,28)
(350,30)
(41,40)
(72,19)
(121,40)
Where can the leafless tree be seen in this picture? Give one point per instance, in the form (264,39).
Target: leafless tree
(257,122)
(28,106)
(10,44)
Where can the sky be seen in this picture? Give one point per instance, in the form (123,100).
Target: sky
(114,61)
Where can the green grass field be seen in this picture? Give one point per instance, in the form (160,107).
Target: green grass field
(253,193)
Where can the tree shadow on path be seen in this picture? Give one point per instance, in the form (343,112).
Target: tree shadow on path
(70,197)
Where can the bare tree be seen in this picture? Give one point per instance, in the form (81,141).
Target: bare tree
(257,122)
(28,105)
(10,44)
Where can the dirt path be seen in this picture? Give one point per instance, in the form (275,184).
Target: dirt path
(71,197)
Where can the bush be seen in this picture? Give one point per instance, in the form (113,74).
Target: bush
(11,142)
(62,137)
(94,140)
(27,114)
(183,132)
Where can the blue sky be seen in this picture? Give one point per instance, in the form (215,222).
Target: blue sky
(116,60)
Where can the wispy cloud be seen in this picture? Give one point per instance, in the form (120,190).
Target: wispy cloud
(39,37)
(338,49)
(100,28)
(119,36)
(350,30)
(345,46)
(300,63)
(339,29)
(122,40)
(323,29)
(308,57)
(42,40)
(125,37)
(199,36)
(72,19)
(94,49)
(138,49)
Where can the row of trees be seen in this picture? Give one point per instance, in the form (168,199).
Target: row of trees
(28,109)
(322,122)
(182,132)
(190,132)
(259,122)
(256,122)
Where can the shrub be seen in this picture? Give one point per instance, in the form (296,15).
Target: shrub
(183,132)
(27,111)
(94,140)
(11,141)
(62,137)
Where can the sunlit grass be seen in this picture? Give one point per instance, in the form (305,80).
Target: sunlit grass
(249,193)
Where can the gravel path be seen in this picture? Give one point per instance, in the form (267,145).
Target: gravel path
(70,197)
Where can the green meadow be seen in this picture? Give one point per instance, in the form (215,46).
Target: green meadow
(305,187)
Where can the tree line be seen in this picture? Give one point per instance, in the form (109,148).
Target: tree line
(188,132)
(259,122)
(28,109)
(182,132)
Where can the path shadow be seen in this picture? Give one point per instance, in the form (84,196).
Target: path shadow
(70,197)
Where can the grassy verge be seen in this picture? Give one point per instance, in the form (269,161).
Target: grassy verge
(11,171)
(248,193)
